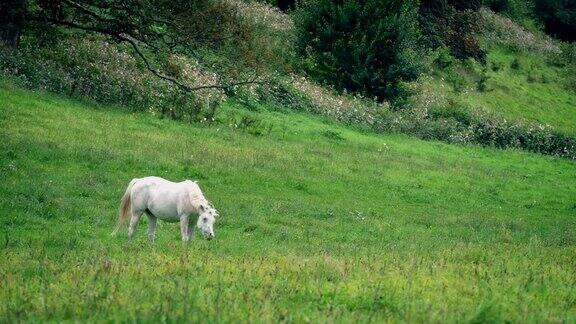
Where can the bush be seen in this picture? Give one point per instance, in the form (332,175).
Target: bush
(348,109)
(482,84)
(502,31)
(368,47)
(455,123)
(516,64)
(93,69)
(452,24)
(443,58)
(207,43)
(518,10)
(536,138)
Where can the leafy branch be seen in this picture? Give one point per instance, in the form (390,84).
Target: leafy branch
(90,18)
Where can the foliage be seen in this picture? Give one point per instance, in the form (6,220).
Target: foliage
(518,10)
(558,16)
(379,228)
(347,109)
(483,80)
(259,44)
(230,38)
(227,42)
(567,60)
(435,117)
(452,24)
(11,12)
(95,69)
(464,5)
(498,31)
(367,47)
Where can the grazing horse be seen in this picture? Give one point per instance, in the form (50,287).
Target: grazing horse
(169,201)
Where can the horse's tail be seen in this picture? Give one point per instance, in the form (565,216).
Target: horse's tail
(124,207)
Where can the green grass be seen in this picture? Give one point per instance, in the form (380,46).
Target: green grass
(319,222)
(532,91)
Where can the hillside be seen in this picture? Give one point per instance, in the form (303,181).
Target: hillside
(338,224)
(461,76)
(525,77)
(520,87)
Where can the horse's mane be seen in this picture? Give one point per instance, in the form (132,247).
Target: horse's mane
(197,198)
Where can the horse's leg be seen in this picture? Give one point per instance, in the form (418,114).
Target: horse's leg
(190,230)
(152,221)
(184,228)
(134,222)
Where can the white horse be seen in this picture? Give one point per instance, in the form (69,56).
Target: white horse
(169,201)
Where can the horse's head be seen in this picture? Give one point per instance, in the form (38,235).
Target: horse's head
(206,217)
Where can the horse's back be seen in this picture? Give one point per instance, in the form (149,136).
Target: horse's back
(162,197)
(153,180)
(157,184)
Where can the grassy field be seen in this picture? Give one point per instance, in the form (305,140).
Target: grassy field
(319,222)
(525,87)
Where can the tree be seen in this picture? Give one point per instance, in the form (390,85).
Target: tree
(365,46)
(559,17)
(155,29)
(12,13)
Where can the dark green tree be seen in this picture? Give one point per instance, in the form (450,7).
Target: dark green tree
(364,46)
(12,14)
(558,16)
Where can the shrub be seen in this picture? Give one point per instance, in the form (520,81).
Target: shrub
(502,31)
(566,59)
(515,64)
(367,47)
(518,10)
(532,77)
(497,66)
(501,133)
(251,124)
(482,84)
(464,125)
(456,80)
(443,58)
(452,24)
(463,36)
(206,43)
(348,109)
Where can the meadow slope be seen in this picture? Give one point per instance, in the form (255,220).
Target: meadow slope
(319,222)
(526,88)
(520,87)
